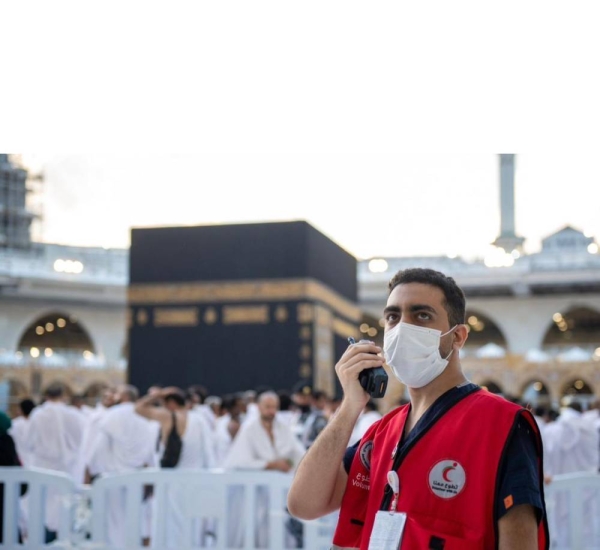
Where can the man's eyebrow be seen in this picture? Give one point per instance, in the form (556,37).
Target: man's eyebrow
(422,307)
(412,309)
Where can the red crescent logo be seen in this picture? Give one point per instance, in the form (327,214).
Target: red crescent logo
(445,473)
(447,478)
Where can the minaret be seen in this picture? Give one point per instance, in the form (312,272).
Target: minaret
(508,239)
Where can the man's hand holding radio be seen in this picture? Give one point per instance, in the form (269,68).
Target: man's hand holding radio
(356,358)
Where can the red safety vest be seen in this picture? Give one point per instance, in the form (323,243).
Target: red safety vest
(448,480)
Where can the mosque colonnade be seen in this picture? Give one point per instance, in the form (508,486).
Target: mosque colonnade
(515,344)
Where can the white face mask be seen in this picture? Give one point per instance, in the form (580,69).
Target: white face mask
(413,353)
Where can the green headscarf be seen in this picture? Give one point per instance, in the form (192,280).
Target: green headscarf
(5,423)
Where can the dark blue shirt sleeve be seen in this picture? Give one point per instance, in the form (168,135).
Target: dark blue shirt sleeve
(519,472)
(349,456)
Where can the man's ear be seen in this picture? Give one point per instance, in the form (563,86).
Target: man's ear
(461,334)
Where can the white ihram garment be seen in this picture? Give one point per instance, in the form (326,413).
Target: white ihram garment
(364,422)
(253,449)
(207,413)
(252,413)
(90,438)
(286,417)
(19,432)
(571,445)
(54,443)
(126,441)
(223,439)
(196,452)
(208,434)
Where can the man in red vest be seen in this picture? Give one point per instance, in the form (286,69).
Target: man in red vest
(456,468)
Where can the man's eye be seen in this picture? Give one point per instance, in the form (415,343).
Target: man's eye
(390,317)
(423,316)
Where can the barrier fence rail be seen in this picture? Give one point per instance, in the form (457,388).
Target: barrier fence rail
(573,507)
(215,509)
(183,509)
(26,493)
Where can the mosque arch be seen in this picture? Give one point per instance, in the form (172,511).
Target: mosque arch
(577,390)
(535,392)
(483,330)
(576,386)
(56,332)
(578,326)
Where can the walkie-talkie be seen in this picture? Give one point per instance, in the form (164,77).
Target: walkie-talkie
(374,381)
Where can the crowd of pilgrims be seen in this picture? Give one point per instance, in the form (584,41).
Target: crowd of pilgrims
(123,431)
(262,429)
(168,428)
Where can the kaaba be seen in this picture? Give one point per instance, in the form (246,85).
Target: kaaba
(234,307)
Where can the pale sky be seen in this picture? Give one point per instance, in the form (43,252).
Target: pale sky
(379,123)
(428,205)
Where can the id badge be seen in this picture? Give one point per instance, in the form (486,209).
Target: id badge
(387,530)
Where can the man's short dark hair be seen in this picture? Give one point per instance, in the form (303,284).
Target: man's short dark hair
(454,298)
(229,401)
(285,401)
(178,397)
(55,390)
(200,391)
(318,394)
(27,405)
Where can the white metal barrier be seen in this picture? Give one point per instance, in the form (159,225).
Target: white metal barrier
(573,506)
(223,510)
(160,508)
(44,489)
(200,509)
